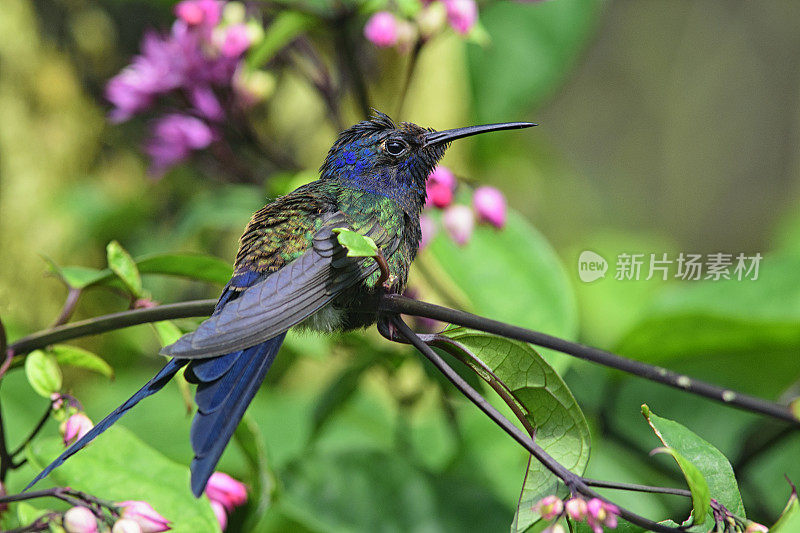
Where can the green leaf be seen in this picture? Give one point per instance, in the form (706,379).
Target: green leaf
(533,47)
(194,266)
(74,356)
(789,522)
(77,277)
(122,264)
(249,439)
(43,373)
(714,328)
(167,332)
(701,498)
(27,513)
(341,389)
(357,245)
(512,275)
(548,405)
(713,466)
(280,32)
(118,466)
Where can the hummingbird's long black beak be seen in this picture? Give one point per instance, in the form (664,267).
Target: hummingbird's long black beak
(439,137)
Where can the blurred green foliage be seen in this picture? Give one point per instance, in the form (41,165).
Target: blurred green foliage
(664,128)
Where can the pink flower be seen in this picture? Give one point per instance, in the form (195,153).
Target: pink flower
(576,508)
(600,513)
(428,227)
(174,137)
(381,29)
(224,489)
(755,527)
(236,42)
(440,187)
(462,14)
(75,427)
(220,513)
(490,205)
(80,520)
(459,222)
(549,507)
(199,12)
(204,100)
(143,514)
(126,525)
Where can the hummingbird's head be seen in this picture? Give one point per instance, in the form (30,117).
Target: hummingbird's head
(394,160)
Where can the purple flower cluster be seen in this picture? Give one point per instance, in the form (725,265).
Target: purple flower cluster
(488,206)
(596,513)
(385,29)
(196,64)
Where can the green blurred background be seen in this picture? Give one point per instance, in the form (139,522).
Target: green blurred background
(665,127)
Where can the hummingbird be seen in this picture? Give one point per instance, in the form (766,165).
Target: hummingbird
(291,271)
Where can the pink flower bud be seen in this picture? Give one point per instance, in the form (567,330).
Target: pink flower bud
(431,19)
(462,14)
(224,489)
(220,513)
(199,12)
(143,514)
(490,205)
(555,528)
(443,175)
(126,525)
(381,29)
(428,226)
(236,42)
(75,427)
(80,520)
(600,513)
(576,508)
(459,222)
(755,527)
(438,195)
(549,507)
(57,401)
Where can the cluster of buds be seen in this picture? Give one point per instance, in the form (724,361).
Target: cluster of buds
(386,29)
(200,61)
(134,517)
(74,422)
(488,206)
(225,494)
(595,512)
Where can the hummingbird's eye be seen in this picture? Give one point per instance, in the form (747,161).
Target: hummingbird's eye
(395,148)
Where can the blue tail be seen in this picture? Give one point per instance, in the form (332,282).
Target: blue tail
(152,386)
(225,387)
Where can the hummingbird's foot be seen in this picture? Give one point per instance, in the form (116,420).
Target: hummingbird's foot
(386,276)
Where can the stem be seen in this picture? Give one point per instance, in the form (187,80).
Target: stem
(322,81)
(348,58)
(69,306)
(636,487)
(110,322)
(5,457)
(35,431)
(412,66)
(392,303)
(572,480)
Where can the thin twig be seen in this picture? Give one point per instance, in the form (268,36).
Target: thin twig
(73,295)
(634,487)
(393,303)
(572,480)
(349,61)
(33,433)
(104,323)
(412,66)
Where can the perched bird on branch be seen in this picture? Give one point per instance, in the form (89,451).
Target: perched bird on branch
(292,271)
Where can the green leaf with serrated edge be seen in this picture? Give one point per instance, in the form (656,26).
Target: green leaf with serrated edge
(701,498)
(280,32)
(789,522)
(533,291)
(194,266)
(73,356)
(250,441)
(118,466)
(43,373)
(544,398)
(122,264)
(357,245)
(715,467)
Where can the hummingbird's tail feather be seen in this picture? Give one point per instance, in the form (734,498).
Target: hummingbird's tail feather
(225,387)
(151,387)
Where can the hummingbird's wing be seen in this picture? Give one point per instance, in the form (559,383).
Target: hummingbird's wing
(275,299)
